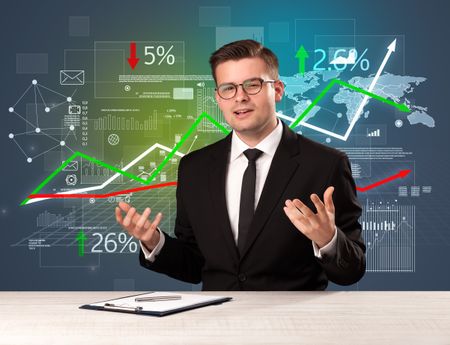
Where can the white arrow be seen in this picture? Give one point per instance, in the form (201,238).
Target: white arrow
(391,49)
(113,177)
(193,142)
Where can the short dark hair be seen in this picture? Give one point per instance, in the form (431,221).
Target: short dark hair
(244,49)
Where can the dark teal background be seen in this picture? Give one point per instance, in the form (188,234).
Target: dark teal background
(42,27)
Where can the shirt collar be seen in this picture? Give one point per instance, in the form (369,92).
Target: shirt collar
(268,145)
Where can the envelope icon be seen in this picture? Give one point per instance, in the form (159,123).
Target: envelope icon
(71,77)
(72,166)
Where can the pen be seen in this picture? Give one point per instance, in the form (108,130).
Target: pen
(119,307)
(157,298)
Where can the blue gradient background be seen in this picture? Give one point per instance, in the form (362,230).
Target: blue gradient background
(42,27)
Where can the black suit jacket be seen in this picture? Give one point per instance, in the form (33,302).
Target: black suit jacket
(277,256)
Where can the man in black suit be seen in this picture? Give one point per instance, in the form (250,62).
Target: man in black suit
(248,212)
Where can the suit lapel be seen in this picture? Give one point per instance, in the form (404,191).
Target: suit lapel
(280,173)
(217,182)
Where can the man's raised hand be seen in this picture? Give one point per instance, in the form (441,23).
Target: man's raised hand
(139,225)
(318,227)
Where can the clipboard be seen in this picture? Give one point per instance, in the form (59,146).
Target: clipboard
(128,304)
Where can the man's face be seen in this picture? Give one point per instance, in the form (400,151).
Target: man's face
(249,115)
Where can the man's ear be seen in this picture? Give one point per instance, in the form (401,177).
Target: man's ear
(279,90)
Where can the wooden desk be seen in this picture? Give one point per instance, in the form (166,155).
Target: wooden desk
(251,318)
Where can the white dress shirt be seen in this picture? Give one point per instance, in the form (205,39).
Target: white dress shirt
(237,163)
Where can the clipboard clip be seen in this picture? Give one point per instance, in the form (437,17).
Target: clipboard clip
(119,307)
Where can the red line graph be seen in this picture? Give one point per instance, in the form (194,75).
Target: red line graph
(400,174)
(100,196)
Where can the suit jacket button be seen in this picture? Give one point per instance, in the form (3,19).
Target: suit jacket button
(242,277)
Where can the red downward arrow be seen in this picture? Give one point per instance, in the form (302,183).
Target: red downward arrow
(133,60)
(401,174)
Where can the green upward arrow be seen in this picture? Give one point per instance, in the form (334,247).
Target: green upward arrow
(81,237)
(301,55)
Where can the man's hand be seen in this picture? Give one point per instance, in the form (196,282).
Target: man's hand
(318,227)
(139,226)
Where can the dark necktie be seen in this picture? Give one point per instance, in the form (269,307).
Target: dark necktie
(247,205)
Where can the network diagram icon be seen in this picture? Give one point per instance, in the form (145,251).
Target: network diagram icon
(38,112)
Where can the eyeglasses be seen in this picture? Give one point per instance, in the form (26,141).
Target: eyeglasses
(250,87)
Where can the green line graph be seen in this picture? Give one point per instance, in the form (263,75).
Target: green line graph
(127,174)
(401,107)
